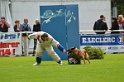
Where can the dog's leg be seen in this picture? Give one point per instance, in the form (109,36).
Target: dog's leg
(84,61)
(82,56)
(87,57)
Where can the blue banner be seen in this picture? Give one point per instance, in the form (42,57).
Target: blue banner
(61,21)
(72,25)
(52,20)
(86,40)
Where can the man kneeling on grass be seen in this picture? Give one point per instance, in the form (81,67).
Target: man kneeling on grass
(46,41)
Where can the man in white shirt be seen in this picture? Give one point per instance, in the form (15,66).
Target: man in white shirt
(46,41)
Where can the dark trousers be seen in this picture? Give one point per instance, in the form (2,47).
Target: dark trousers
(35,44)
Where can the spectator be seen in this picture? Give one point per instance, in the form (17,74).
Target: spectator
(36,28)
(25,28)
(121,22)
(115,26)
(100,27)
(18,26)
(4,25)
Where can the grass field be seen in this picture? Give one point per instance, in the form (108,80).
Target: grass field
(21,69)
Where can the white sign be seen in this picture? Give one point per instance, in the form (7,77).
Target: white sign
(10,44)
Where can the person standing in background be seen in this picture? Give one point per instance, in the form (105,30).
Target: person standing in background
(25,28)
(121,22)
(18,26)
(4,25)
(115,26)
(36,28)
(100,26)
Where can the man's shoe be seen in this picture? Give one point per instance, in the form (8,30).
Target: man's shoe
(36,64)
(60,63)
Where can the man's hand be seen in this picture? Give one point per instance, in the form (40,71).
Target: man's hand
(64,50)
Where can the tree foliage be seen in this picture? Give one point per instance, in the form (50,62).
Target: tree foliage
(119,4)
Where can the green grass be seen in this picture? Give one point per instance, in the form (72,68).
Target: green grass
(21,69)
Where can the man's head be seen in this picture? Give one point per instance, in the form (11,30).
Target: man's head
(3,19)
(26,20)
(44,37)
(102,17)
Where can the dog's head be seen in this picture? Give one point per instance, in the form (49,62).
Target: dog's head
(71,49)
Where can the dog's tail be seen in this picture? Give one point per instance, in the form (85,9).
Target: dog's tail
(87,56)
(85,53)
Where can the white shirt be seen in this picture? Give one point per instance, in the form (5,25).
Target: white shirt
(37,35)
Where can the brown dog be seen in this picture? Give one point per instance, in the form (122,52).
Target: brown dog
(80,53)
